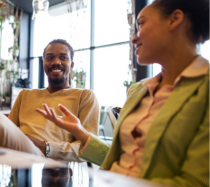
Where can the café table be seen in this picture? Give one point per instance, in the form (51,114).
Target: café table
(18,169)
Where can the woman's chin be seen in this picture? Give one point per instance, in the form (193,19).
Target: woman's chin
(143,62)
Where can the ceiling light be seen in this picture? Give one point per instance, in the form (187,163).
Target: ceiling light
(39,6)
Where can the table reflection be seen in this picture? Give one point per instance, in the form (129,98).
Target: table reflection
(18,169)
(73,175)
(61,177)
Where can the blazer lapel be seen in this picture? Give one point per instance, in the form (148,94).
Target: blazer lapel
(131,103)
(115,150)
(173,104)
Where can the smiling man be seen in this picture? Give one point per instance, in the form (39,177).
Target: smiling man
(58,60)
(37,135)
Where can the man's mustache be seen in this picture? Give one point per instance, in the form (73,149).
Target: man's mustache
(56,67)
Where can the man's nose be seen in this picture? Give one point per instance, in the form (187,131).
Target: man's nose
(55,179)
(56,61)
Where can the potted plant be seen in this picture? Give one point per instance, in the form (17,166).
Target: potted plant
(14,75)
(79,77)
(7,97)
(8,67)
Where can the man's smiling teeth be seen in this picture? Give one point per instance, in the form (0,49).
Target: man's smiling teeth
(56,70)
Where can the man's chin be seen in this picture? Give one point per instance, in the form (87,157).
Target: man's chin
(56,82)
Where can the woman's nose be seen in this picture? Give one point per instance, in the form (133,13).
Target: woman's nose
(135,38)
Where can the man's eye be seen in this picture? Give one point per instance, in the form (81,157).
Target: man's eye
(48,58)
(64,58)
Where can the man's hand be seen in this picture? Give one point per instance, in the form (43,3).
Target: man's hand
(40,144)
(68,122)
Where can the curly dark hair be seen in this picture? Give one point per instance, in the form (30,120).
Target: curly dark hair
(61,41)
(197,12)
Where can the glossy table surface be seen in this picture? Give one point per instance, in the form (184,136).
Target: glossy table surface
(26,170)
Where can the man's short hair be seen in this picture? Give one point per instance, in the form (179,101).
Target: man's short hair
(61,42)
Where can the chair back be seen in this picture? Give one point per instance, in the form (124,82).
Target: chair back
(102,114)
(113,113)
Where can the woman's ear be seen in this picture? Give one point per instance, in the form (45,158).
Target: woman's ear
(176,19)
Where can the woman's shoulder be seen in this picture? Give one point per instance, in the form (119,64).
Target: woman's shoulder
(137,86)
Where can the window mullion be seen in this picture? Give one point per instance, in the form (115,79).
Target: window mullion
(92,20)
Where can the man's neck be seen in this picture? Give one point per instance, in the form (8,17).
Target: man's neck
(53,89)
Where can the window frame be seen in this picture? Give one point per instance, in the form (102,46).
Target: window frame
(142,71)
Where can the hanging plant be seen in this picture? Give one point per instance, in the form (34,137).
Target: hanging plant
(2,68)
(14,75)
(2,65)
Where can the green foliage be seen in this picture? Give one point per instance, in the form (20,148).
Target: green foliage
(80,77)
(14,74)
(126,83)
(2,66)
(7,94)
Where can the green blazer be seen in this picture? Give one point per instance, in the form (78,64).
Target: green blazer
(177,145)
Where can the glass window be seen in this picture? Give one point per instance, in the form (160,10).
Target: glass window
(156,69)
(110,63)
(7,40)
(111,25)
(149,1)
(82,64)
(73,27)
(110,70)
(58,24)
(204,50)
(34,73)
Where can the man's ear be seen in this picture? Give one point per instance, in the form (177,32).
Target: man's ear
(176,19)
(72,65)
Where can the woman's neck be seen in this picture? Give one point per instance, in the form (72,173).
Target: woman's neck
(175,64)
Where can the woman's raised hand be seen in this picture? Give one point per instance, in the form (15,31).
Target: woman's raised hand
(68,122)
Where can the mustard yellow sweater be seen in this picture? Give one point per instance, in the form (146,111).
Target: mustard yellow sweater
(63,146)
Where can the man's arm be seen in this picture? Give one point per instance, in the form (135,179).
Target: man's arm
(14,114)
(89,117)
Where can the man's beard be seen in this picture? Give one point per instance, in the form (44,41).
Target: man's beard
(56,82)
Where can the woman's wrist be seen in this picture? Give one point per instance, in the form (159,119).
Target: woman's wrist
(84,137)
(81,134)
